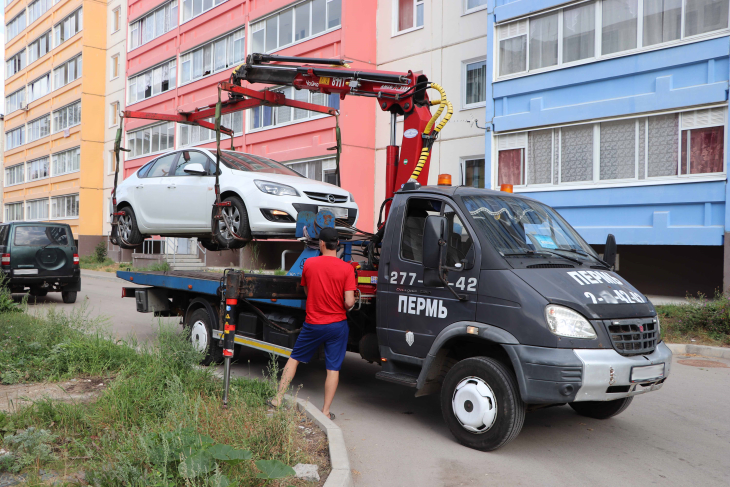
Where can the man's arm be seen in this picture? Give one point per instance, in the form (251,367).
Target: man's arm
(306,290)
(349,300)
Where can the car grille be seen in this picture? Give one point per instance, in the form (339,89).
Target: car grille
(633,337)
(351,212)
(325,197)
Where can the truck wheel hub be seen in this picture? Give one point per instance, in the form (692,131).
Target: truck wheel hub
(474,405)
(199,336)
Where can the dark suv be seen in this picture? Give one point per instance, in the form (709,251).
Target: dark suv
(41,257)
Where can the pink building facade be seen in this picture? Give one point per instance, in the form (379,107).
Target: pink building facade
(179,50)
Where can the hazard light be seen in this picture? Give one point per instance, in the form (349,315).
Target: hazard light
(444,180)
(507,188)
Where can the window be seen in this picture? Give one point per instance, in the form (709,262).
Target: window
(153,25)
(225,52)
(115,66)
(193,8)
(151,139)
(14,138)
(474,170)
(65,206)
(295,25)
(37,210)
(38,169)
(117,19)
(39,128)
(15,64)
(15,101)
(68,28)
(114,114)
(572,34)
(320,170)
(66,161)
(474,5)
(152,82)
(39,88)
(36,9)
(39,47)
(14,212)
(14,175)
(67,72)
(67,116)
(607,152)
(195,134)
(193,157)
(408,15)
(267,117)
(476,83)
(15,26)
(161,167)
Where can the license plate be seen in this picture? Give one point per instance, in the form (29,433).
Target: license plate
(338,212)
(647,373)
(25,272)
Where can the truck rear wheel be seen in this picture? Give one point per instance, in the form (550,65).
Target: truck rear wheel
(481,403)
(201,336)
(601,409)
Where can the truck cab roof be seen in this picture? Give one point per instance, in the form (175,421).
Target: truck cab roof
(452,191)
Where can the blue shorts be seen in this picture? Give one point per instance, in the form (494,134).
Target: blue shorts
(334,336)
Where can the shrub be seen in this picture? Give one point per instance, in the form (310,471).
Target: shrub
(100,251)
(701,316)
(7,305)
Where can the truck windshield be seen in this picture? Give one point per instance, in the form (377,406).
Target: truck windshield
(517,226)
(40,235)
(249,162)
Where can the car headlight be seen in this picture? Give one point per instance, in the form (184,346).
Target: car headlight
(352,198)
(565,322)
(276,188)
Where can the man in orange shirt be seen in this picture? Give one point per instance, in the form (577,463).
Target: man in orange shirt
(330,285)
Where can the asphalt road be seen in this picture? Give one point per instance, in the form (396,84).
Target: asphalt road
(679,435)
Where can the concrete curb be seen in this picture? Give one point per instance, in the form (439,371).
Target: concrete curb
(341,475)
(707,351)
(106,276)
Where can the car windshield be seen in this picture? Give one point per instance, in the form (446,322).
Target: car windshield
(519,226)
(249,162)
(27,236)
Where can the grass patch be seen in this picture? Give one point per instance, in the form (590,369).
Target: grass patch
(158,423)
(701,321)
(91,263)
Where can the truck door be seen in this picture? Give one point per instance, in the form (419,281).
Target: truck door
(415,314)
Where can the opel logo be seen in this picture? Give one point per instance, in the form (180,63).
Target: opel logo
(331,198)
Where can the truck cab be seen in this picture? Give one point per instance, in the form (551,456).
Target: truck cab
(494,300)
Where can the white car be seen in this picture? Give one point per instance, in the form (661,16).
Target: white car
(173,195)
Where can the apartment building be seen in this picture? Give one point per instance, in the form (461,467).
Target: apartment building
(178,51)
(2,157)
(54,103)
(615,113)
(447,41)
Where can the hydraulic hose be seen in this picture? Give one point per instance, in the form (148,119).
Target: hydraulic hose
(429,134)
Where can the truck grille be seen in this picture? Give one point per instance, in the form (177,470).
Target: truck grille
(633,337)
(325,197)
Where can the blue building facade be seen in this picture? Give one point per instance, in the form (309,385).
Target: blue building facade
(614,112)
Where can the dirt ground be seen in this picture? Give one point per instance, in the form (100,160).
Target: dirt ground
(75,390)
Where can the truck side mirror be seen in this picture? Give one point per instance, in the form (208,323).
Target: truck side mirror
(609,253)
(434,246)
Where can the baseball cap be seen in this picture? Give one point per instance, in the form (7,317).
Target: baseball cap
(328,235)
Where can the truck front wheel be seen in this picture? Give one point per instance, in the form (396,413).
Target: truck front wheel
(601,409)
(481,403)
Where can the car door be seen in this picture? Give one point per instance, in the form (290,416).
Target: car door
(192,196)
(150,203)
(416,313)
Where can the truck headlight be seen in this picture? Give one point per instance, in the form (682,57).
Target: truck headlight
(276,189)
(565,322)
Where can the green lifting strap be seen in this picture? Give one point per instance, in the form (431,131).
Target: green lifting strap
(338,137)
(218,149)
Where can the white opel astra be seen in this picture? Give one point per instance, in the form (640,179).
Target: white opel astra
(173,195)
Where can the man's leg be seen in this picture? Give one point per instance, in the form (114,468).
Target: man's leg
(330,386)
(286,377)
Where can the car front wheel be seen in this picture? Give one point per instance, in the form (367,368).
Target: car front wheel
(236,222)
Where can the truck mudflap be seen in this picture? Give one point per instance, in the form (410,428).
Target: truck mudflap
(607,375)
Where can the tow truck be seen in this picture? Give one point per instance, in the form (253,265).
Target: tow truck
(488,298)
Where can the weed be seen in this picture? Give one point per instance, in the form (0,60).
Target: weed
(30,446)
(7,304)
(703,319)
(280,272)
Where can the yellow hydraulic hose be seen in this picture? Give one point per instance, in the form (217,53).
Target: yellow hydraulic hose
(442,103)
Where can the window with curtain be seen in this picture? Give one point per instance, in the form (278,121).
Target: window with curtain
(703,141)
(65,206)
(540,156)
(68,27)
(39,128)
(663,133)
(618,149)
(474,171)
(15,64)
(512,47)
(39,47)
(409,14)
(544,41)
(295,25)
(702,16)
(14,175)
(154,81)
(223,53)
(15,138)
(151,139)
(153,25)
(67,72)
(618,32)
(14,212)
(39,87)
(510,166)
(66,162)
(37,209)
(576,154)
(38,169)
(662,21)
(579,32)
(476,83)
(67,117)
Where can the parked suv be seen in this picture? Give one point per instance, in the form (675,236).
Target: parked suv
(41,257)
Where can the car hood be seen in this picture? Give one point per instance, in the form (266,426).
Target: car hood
(597,294)
(300,183)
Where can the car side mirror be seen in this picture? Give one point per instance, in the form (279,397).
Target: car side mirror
(609,253)
(195,169)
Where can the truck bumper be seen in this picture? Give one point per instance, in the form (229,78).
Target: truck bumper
(554,376)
